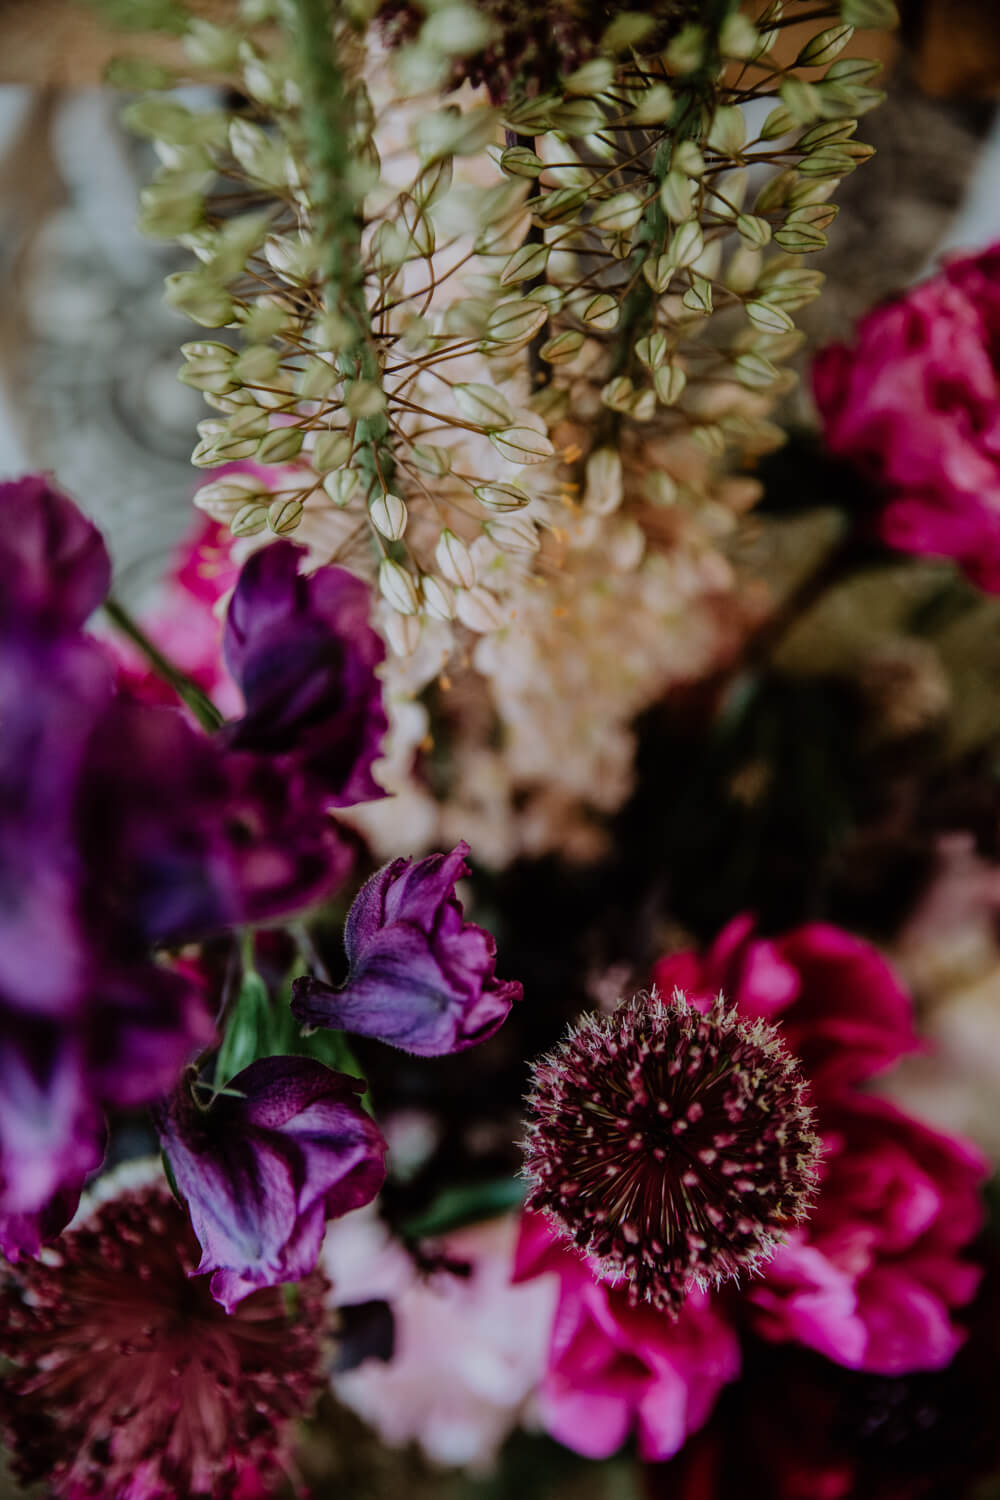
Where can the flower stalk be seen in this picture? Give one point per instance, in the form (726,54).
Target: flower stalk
(190,694)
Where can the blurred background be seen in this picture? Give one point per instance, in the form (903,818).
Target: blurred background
(88,390)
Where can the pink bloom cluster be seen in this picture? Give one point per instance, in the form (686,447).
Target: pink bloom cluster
(871,1281)
(915,403)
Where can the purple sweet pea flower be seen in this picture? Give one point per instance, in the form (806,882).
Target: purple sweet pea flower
(285,1148)
(304,655)
(421,977)
(191,839)
(53,562)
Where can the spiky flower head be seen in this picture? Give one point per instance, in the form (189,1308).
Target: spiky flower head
(673,1146)
(127,1379)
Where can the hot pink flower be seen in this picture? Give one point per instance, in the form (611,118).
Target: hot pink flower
(186,623)
(843,1010)
(871,1280)
(613,1367)
(915,403)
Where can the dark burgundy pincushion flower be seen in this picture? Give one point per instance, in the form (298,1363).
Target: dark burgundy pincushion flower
(673,1148)
(285,1147)
(304,655)
(872,1281)
(128,1381)
(53,561)
(421,977)
(915,404)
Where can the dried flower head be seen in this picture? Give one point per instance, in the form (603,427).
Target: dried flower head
(673,1146)
(128,1380)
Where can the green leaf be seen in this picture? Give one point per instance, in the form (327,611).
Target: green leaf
(251,1032)
(467,1204)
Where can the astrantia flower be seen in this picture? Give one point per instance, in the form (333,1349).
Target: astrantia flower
(284,1148)
(128,1381)
(421,977)
(302,651)
(915,404)
(672,1147)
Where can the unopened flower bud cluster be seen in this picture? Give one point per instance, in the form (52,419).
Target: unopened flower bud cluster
(620,250)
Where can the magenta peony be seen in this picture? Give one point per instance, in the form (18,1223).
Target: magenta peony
(915,404)
(613,1367)
(873,1278)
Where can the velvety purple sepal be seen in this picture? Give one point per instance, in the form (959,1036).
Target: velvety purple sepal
(304,655)
(421,977)
(285,1147)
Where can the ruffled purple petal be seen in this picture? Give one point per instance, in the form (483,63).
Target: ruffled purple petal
(421,977)
(284,1148)
(304,655)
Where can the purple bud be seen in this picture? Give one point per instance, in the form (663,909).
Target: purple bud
(284,1148)
(672,1147)
(53,562)
(304,655)
(421,977)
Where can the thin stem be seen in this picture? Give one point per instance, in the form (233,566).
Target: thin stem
(190,694)
(326,117)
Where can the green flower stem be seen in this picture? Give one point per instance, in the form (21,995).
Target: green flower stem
(326,118)
(189,692)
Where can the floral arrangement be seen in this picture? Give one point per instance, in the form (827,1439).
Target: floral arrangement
(462,668)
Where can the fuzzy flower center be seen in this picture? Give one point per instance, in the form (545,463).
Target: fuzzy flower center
(673,1147)
(127,1380)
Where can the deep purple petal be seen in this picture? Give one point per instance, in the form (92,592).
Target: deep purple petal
(284,1147)
(421,977)
(367,914)
(53,561)
(304,655)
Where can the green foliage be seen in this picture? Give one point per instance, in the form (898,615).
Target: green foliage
(262,1025)
(467,1203)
